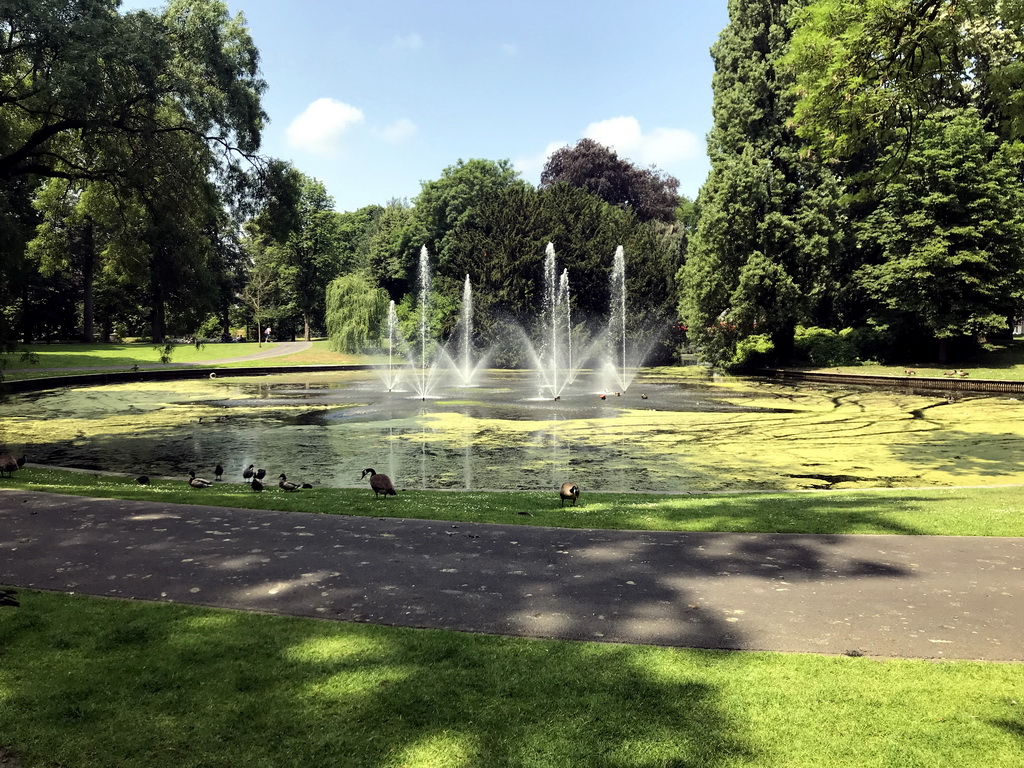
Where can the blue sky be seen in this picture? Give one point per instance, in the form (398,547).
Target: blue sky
(373,98)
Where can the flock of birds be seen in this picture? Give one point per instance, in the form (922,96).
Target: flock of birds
(380,484)
(254,476)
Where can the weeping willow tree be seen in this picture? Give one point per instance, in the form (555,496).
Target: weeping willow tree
(356,313)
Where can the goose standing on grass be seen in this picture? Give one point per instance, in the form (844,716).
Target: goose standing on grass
(569,491)
(381,484)
(260,474)
(218,473)
(287,485)
(198,482)
(142,479)
(248,473)
(8,464)
(256,485)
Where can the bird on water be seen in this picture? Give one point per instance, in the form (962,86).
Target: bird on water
(198,482)
(380,484)
(569,491)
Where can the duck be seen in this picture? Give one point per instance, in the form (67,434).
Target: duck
(381,484)
(9,464)
(285,484)
(643,396)
(218,472)
(198,482)
(249,472)
(569,491)
(256,485)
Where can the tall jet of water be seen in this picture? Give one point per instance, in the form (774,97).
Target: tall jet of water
(424,315)
(467,330)
(564,312)
(617,316)
(551,306)
(392,340)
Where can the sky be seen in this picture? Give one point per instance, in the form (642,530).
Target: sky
(375,97)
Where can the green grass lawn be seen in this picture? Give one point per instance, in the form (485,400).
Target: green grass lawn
(1004,361)
(950,511)
(36,361)
(90,682)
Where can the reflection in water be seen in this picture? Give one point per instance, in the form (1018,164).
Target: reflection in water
(685,434)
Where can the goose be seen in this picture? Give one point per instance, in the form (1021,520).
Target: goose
(381,484)
(142,479)
(287,485)
(248,473)
(643,396)
(218,471)
(256,485)
(198,482)
(9,464)
(569,491)
(260,474)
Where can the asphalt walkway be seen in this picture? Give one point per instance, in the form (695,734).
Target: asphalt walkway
(901,596)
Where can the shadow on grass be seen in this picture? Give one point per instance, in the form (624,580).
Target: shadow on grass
(102,683)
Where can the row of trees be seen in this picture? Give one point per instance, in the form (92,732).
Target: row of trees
(866,174)
(134,201)
(866,181)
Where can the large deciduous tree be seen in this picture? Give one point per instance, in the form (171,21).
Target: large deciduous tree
(871,71)
(945,245)
(84,87)
(649,193)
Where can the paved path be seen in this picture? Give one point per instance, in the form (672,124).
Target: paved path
(910,596)
(280,349)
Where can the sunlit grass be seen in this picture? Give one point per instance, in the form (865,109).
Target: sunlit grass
(96,682)
(951,511)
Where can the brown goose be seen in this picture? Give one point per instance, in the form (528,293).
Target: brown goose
(569,491)
(8,464)
(198,482)
(286,485)
(381,484)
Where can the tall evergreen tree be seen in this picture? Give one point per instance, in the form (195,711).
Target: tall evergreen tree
(765,254)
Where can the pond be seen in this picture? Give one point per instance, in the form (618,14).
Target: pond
(676,430)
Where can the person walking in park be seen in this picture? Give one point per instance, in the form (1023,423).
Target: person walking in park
(266,335)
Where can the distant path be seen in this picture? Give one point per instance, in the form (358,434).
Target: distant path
(942,597)
(280,349)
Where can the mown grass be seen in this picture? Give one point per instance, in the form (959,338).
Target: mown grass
(91,682)
(949,512)
(40,360)
(1002,361)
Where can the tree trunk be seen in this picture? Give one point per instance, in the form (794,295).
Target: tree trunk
(305,324)
(943,350)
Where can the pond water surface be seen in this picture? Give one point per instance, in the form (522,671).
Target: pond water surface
(674,430)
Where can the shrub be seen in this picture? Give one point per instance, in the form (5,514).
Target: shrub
(823,347)
(751,352)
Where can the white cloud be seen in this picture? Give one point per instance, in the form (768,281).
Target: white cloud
(400,130)
(662,147)
(319,128)
(410,42)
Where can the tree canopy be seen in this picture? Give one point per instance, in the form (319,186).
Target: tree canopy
(649,193)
